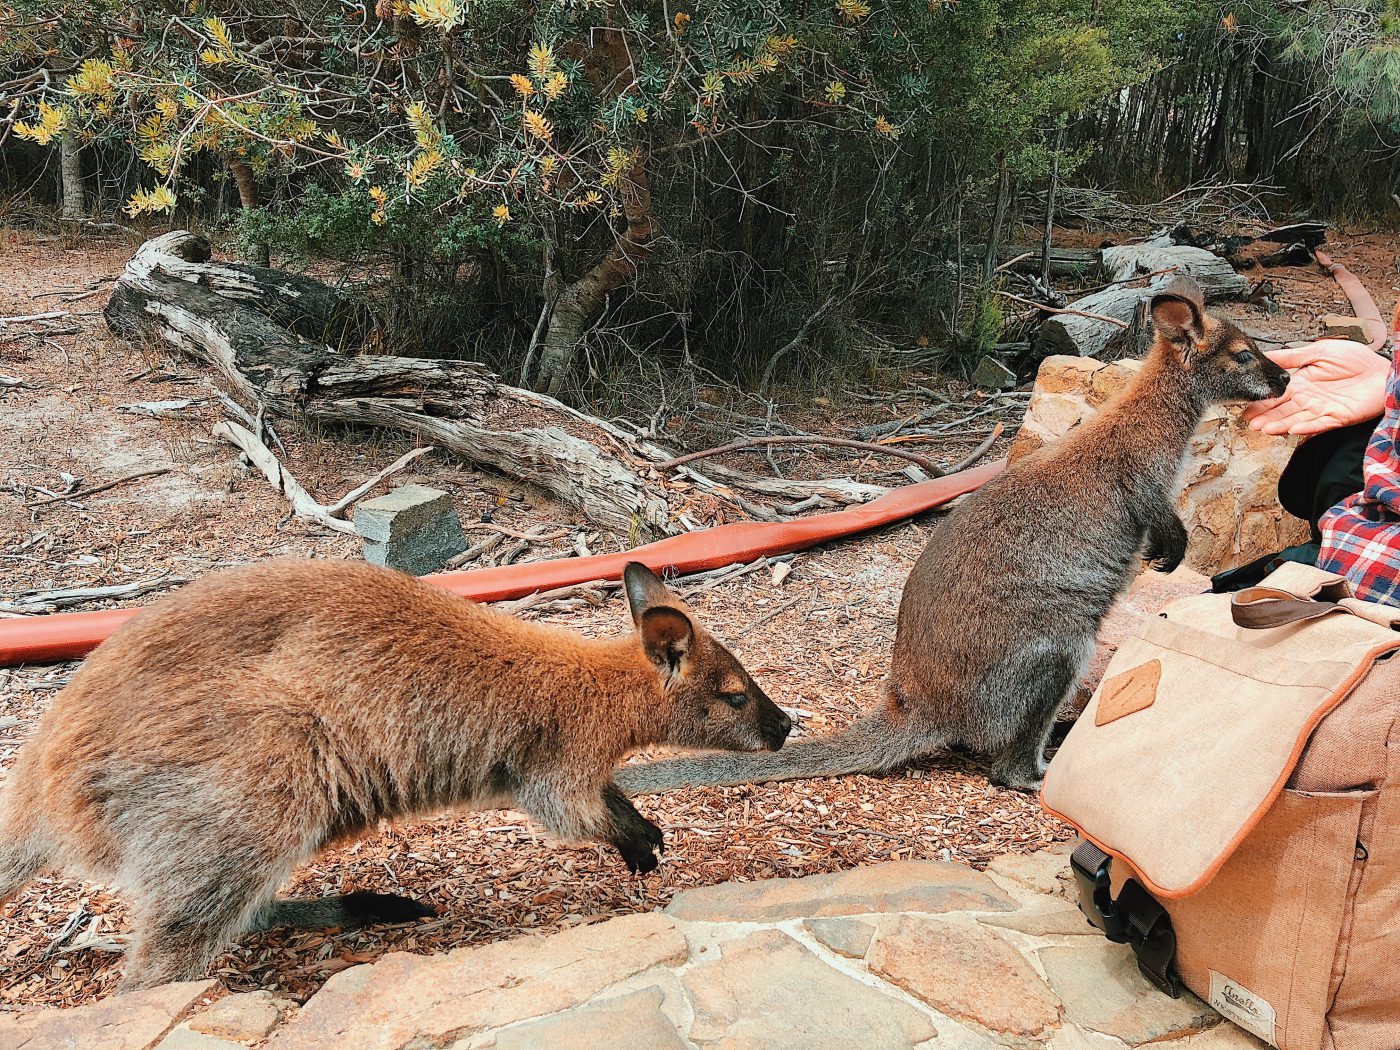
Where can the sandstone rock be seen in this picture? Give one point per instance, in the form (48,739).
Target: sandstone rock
(626,1022)
(913,885)
(401,996)
(1056,920)
(136,1021)
(186,1038)
(1229,499)
(1103,991)
(1043,871)
(244,1018)
(770,993)
(848,937)
(1223,1036)
(969,973)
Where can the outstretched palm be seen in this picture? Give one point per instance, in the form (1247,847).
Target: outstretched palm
(1337,382)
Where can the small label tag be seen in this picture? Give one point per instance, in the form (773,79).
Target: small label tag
(1242,1006)
(1128,692)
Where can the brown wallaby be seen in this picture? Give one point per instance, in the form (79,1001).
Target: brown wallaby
(1000,613)
(240,726)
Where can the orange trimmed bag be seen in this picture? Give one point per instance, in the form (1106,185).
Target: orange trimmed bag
(1236,778)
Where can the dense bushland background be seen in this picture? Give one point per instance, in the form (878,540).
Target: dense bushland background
(595,194)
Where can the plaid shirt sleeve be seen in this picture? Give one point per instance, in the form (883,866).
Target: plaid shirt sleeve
(1361,535)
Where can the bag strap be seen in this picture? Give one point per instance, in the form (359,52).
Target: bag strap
(1258,608)
(1135,918)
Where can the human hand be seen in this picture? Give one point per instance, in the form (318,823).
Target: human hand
(1337,382)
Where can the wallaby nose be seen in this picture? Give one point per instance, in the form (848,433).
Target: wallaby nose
(782,726)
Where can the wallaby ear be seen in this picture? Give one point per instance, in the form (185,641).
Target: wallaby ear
(1178,311)
(645,591)
(667,637)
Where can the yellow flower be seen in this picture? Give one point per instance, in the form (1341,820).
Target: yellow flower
(522,84)
(51,121)
(378,195)
(853,10)
(502,214)
(537,126)
(422,166)
(162,198)
(425,133)
(682,20)
(444,14)
(541,60)
(884,127)
(555,85)
(835,92)
(640,114)
(94,77)
(378,217)
(356,171)
(548,165)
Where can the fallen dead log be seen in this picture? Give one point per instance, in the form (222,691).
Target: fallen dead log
(237,320)
(1113,308)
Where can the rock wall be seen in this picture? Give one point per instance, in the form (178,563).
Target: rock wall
(1229,499)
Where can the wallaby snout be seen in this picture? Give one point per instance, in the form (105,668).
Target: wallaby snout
(774,725)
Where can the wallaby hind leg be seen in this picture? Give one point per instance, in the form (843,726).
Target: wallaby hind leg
(183,922)
(1032,688)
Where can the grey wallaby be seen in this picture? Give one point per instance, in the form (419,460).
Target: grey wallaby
(1000,613)
(240,726)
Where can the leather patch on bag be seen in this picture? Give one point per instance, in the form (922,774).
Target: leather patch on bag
(1128,692)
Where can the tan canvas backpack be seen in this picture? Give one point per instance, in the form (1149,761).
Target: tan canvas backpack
(1236,778)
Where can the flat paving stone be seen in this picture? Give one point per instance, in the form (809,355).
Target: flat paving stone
(969,973)
(243,1018)
(186,1038)
(902,886)
(1053,919)
(1103,991)
(135,1021)
(435,999)
(768,992)
(626,1022)
(848,937)
(1045,871)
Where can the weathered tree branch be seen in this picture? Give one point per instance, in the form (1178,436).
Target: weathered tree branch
(236,319)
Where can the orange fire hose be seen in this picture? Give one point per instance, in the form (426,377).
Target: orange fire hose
(65,636)
(1362,305)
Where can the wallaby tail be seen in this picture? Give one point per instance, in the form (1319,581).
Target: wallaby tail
(23,852)
(871,745)
(346,910)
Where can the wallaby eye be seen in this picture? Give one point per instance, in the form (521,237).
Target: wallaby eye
(735,700)
(1244,357)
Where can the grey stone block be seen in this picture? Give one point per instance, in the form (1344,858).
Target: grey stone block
(993,375)
(413,528)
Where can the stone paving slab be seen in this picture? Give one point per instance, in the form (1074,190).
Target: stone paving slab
(910,955)
(899,886)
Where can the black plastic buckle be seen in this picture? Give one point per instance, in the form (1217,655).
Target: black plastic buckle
(1090,866)
(1151,937)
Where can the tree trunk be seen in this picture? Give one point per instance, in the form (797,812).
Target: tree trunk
(989,262)
(234,319)
(581,300)
(248,197)
(70,166)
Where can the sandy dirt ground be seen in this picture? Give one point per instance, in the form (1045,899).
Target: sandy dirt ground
(818,641)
